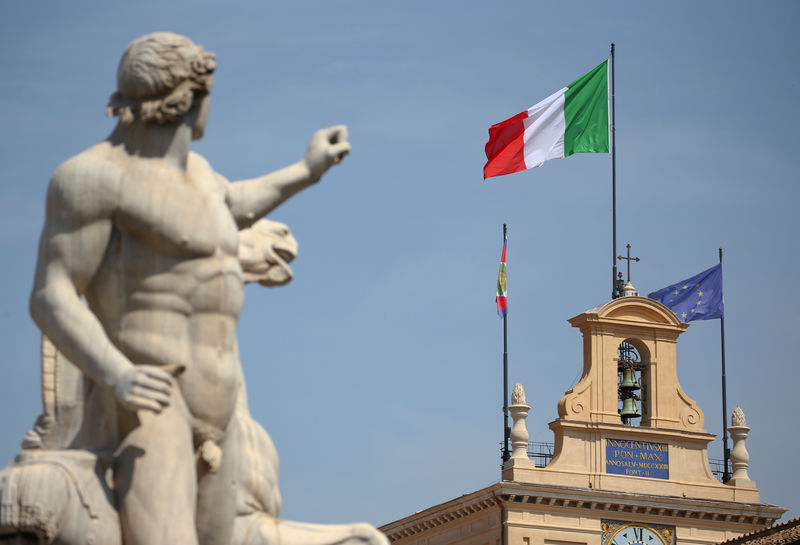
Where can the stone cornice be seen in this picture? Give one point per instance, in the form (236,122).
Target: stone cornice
(615,504)
(444,513)
(630,311)
(602,503)
(639,433)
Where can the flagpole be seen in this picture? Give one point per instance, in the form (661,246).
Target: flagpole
(726,453)
(506,430)
(614,290)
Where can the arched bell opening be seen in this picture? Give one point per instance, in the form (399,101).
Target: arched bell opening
(632,382)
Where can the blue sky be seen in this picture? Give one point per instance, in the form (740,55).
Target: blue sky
(378,370)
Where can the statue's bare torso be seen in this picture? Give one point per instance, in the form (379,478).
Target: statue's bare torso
(169,288)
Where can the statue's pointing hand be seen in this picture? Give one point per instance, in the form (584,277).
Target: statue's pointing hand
(327,148)
(144,387)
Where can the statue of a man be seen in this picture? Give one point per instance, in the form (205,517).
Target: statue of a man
(138,283)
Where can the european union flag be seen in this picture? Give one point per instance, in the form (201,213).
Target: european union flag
(696,298)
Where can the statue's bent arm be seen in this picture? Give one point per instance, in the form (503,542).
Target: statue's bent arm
(76,233)
(250,200)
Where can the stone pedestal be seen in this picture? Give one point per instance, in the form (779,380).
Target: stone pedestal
(519,432)
(740,458)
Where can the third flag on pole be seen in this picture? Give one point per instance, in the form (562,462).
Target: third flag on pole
(502,281)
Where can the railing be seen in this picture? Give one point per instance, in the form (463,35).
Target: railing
(717,468)
(541,453)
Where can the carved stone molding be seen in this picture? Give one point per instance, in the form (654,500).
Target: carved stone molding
(583,502)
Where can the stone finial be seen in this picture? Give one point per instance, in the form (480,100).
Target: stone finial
(518,395)
(519,432)
(737,419)
(740,458)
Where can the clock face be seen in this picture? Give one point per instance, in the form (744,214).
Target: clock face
(634,533)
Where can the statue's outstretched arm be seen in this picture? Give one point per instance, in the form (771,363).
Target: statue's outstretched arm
(76,233)
(251,200)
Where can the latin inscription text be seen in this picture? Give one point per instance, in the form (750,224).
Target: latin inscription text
(637,458)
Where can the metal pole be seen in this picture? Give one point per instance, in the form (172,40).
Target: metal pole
(506,428)
(614,291)
(726,453)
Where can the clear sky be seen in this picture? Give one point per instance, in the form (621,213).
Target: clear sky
(378,370)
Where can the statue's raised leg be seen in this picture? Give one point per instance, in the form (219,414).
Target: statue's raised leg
(156,481)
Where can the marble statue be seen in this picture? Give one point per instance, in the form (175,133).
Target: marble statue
(146,437)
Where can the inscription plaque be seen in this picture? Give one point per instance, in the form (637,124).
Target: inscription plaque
(637,458)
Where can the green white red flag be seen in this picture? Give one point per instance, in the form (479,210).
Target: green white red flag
(572,120)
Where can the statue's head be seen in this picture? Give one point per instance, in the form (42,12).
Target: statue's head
(160,78)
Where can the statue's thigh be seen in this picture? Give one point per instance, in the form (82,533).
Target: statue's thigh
(156,479)
(216,499)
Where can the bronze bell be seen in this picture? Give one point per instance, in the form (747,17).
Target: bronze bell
(629,380)
(630,409)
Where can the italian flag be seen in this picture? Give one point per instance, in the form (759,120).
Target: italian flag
(572,120)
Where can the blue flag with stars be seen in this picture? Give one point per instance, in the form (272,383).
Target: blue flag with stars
(696,298)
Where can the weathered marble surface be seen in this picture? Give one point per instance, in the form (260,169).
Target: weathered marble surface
(146,437)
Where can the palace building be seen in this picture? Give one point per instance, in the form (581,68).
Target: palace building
(630,460)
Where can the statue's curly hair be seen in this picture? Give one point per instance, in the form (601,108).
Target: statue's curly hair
(160,77)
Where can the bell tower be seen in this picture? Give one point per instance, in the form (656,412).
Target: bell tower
(628,415)
(639,335)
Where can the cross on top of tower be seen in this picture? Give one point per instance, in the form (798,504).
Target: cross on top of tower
(629,259)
